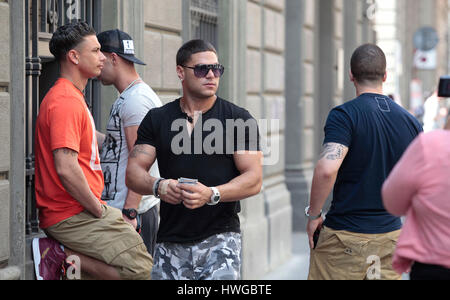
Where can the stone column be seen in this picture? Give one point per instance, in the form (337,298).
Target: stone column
(273,104)
(300,81)
(17,144)
(352,39)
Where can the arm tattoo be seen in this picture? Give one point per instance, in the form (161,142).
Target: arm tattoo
(333,151)
(139,149)
(66,151)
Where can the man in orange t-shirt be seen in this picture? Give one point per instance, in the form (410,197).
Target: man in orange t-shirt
(65,122)
(69,180)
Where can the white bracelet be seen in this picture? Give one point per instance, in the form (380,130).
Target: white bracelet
(164,186)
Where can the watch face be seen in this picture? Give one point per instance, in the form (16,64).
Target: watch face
(216,198)
(131,213)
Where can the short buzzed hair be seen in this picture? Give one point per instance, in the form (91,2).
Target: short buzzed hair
(68,37)
(368,64)
(192,47)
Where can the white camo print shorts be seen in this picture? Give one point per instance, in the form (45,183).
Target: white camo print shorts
(216,258)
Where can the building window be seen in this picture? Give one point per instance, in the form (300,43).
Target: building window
(204,20)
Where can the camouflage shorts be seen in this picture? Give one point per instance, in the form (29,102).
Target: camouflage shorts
(216,258)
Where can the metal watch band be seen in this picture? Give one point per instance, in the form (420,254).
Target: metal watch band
(312,217)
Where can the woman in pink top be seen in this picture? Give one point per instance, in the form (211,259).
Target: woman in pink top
(419,187)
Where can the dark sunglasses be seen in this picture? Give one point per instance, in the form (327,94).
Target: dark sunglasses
(201,71)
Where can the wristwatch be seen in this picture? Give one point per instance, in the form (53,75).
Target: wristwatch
(215,198)
(130,213)
(312,217)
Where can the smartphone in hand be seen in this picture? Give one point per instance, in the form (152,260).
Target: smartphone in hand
(187,181)
(316,237)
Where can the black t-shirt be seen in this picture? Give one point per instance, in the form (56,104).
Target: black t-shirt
(206,155)
(377,132)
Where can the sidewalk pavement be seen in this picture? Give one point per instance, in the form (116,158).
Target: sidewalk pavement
(297,267)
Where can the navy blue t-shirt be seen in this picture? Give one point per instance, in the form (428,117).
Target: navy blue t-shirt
(377,131)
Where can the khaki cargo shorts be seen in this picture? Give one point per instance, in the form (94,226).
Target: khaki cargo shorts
(109,239)
(343,255)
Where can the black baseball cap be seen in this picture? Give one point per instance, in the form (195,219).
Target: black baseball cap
(119,42)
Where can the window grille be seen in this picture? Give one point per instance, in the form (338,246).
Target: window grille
(204,20)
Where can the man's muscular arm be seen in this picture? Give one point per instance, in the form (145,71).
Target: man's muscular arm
(73,180)
(325,175)
(139,180)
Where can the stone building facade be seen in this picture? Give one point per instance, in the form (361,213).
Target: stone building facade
(286,60)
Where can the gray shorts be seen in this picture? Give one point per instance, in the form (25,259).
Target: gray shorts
(216,258)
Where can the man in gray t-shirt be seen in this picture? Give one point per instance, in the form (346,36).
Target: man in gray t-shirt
(135,100)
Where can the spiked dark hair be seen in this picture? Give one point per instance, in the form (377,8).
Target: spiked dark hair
(67,37)
(192,47)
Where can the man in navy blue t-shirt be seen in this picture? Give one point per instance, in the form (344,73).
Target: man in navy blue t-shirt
(364,139)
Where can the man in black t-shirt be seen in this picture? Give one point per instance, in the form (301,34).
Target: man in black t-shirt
(364,139)
(209,159)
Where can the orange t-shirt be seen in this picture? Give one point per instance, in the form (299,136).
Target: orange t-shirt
(64,121)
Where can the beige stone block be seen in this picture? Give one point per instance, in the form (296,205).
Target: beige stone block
(309,140)
(275,110)
(279,214)
(274,30)
(275,4)
(274,72)
(273,149)
(253,105)
(309,75)
(4,220)
(254,24)
(256,1)
(310,8)
(308,112)
(338,25)
(308,45)
(167,98)
(170,46)
(4,42)
(255,247)
(253,71)
(164,14)
(4,132)
(153,58)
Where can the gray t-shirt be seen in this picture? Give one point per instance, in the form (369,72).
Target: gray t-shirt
(129,110)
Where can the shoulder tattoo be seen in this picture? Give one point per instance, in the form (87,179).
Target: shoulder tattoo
(333,151)
(137,150)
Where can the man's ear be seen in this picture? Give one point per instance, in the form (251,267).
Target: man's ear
(114,58)
(73,56)
(385,77)
(180,73)
(350,74)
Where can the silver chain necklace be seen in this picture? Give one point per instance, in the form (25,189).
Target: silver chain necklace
(131,85)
